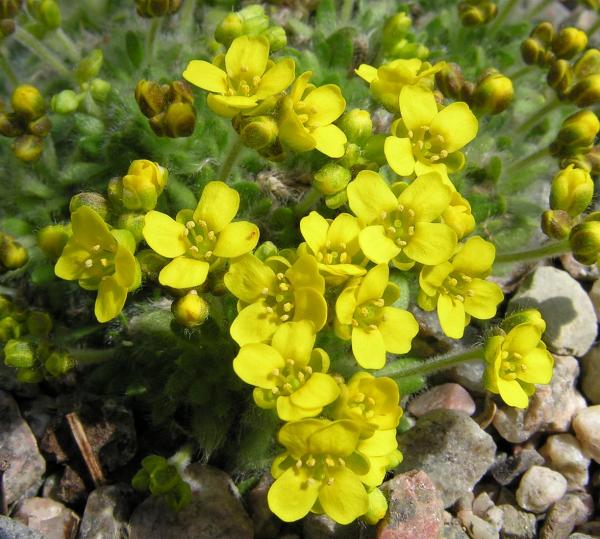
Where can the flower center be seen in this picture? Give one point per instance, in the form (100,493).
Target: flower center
(290,378)
(333,254)
(511,366)
(101,262)
(243,86)
(369,315)
(362,405)
(281,303)
(456,285)
(399,225)
(201,241)
(427,148)
(320,468)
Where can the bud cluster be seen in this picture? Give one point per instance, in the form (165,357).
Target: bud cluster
(157,8)
(27,123)
(170,107)
(399,42)
(46,13)
(476,12)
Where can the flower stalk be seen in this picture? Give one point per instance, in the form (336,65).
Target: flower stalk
(29,41)
(549,250)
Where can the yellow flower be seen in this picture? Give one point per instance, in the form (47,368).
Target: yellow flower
(143,184)
(319,471)
(364,315)
(271,297)
(458,215)
(387,81)
(381,448)
(370,402)
(248,79)
(288,373)
(334,244)
(425,139)
(306,117)
(515,362)
(458,288)
(401,229)
(207,237)
(100,259)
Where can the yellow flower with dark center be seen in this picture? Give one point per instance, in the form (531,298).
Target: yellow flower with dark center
(458,288)
(288,374)
(426,139)
(204,238)
(100,259)
(274,293)
(306,118)
(401,228)
(248,79)
(364,315)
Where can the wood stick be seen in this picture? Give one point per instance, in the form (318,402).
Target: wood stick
(89,457)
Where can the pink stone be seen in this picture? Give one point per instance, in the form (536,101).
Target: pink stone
(416,509)
(446,396)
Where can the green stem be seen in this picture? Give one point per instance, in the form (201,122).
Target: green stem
(594,28)
(186,20)
(34,45)
(151,38)
(510,5)
(234,153)
(90,356)
(521,72)
(548,250)
(67,44)
(7,70)
(538,115)
(309,200)
(537,9)
(526,161)
(346,12)
(399,368)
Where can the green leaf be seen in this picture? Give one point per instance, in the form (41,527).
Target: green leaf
(326,15)
(141,481)
(135,48)
(341,48)
(164,479)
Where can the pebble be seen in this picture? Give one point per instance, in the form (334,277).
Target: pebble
(453,530)
(451,448)
(266,524)
(590,377)
(517,524)
(564,454)
(594,294)
(322,527)
(508,468)
(19,449)
(215,512)
(579,271)
(551,407)
(539,488)
(445,396)
(106,513)
(13,529)
(470,376)
(571,324)
(49,517)
(565,514)
(586,425)
(415,508)
(477,527)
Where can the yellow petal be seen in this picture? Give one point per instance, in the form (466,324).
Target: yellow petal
(217,206)
(427,196)
(253,324)
(432,277)
(369,195)
(292,496)
(229,103)
(399,155)
(336,438)
(345,499)
(345,305)
(247,58)
(538,367)
(451,314)
(288,411)
(368,348)
(110,300)
(417,107)
(432,243)
(324,105)
(164,235)
(512,393)
(255,364)
(484,300)
(236,239)
(70,265)
(300,86)
(522,339)
(206,76)
(366,72)
(373,284)
(295,340)
(248,277)
(89,229)
(318,391)
(398,328)
(276,79)
(183,272)
(295,436)
(219,106)
(456,124)
(314,229)
(345,229)
(475,257)
(380,444)
(292,132)
(310,305)
(305,272)
(125,269)
(330,140)
(376,245)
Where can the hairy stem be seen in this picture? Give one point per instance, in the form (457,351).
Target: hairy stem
(66,43)
(548,250)
(526,161)
(309,200)
(232,156)
(537,9)
(538,116)
(151,38)
(7,70)
(29,41)
(504,14)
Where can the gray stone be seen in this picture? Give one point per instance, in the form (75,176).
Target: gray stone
(415,508)
(470,375)
(266,524)
(564,454)
(567,309)
(106,513)
(51,518)
(590,377)
(482,504)
(581,536)
(439,444)
(13,529)
(578,271)
(508,468)
(477,527)
(565,514)
(443,396)
(19,449)
(586,425)
(453,530)
(215,512)
(517,524)
(551,407)
(322,527)
(594,294)
(539,488)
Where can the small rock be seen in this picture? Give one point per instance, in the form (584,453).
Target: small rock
(322,527)
(495,517)
(453,530)
(67,486)
(508,468)
(215,512)
(453,450)
(477,527)
(571,324)
(591,528)
(594,294)
(13,529)
(266,524)
(580,536)
(18,448)
(579,271)
(539,488)
(470,375)
(517,524)
(551,407)
(564,454)
(482,504)
(415,508)
(51,518)
(586,425)
(444,396)
(106,513)
(565,514)
(590,377)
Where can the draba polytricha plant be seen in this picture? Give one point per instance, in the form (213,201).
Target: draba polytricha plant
(232,215)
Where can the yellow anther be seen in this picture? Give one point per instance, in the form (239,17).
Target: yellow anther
(275,391)
(104,262)
(202,223)
(466,278)
(194,249)
(255,81)
(369,414)
(411,212)
(434,158)
(452,281)
(211,235)
(329,461)
(96,248)
(400,208)
(303,118)
(504,355)
(379,302)
(444,154)
(280,276)
(364,311)
(287,307)
(186,232)
(311,462)
(343,246)
(420,144)
(411,230)
(208,254)
(470,293)
(284,287)
(300,377)
(269,309)
(354,323)
(371,401)
(391,229)
(319,256)
(308,369)
(284,317)
(290,362)
(330,481)
(298,464)
(88,263)
(341,461)
(265,291)
(459,297)
(190,225)
(372,327)
(400,242)
(410,134)
(343,258)
(359,397)
(517,356)
(383,215)
(288,387)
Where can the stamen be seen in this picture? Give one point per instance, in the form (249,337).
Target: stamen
(88,263)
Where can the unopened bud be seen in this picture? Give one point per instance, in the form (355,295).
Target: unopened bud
(47,12)
(39,323)
(259,131)
(59,363)
(190,310)
(179,120)
(7,27)
(28,148)
(331,179)
(560,77)
(40,127)
(530,317)
(471,15)
(19,354)
(569,42)
(9,329)
(89,66)
(572,191)
(356,125)
(99,89)
(544,32)
(450,80)
(10,125)
(151,263)
(151,97)
(556,224)
(27,101)
(143,184)
(373,149)
(533,52)
(93,200)
(9,8)
(134,223)
(180,92)
(586,92)
(395,29)
(65,102)
(266,250)
(493,93)
(585,242)
(52,239)
(276,36)
(576,135)
(336,200)
(588,64)
(6,307)
(157,8)
(229,28)
(255,21)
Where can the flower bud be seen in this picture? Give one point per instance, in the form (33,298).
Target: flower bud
(458,215)
(7,27)
(190,310)
(533,52)
(395,29)
(572,191)
(259,131)
(586,92)
(336,200)
(27,101)
(47,12)
(10,126)
(544,32)
(556,224)
(59,363)
(94,200)
(52,239)
(40,127)
(151,97)
(331,179)
(9,329)
(19,354)
(179,120)
(157,8)
(9,8)
(560,77)
(576,135)
(254,21)
(531,317)
(229,28)
(471,15)
(28,148)
(585,242)
(588,64)
(378,507)
(276,36)
(180,92)
(356,125)
(89,66)
(134,223)
(265,250)
(39,323)
(99,89)
(373,149)
(569,42)
(493,93)
(143,184)
(6,307)
(151,263)
(450,80)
